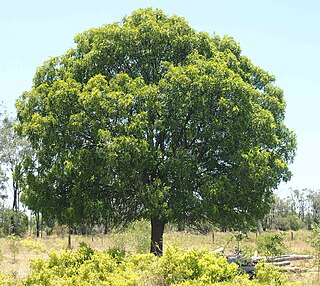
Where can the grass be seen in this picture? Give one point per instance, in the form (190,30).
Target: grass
(31,247)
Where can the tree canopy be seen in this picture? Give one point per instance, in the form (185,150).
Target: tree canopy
(148,118)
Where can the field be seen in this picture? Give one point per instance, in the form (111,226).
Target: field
(17,253)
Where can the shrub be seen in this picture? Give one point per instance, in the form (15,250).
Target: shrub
(34,246)
(86,267)
(270,244)
(282,223)
(177,266)
(290,222)
(5,280)
(295,222)
(268,274)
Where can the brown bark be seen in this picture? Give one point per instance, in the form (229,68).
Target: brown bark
(38,224)
(157,228)
(69,237)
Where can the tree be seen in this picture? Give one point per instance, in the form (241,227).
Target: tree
(148,118)
(299,200)
(13,150)
(3,175)
(314,205)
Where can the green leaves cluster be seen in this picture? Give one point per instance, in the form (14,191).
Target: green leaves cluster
(149,118)
(270,244)
(87,267)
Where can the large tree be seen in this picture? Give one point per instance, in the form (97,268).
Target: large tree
(148,118)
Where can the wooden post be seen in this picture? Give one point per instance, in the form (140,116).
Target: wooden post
(291,235)
(212,237)
(69,236)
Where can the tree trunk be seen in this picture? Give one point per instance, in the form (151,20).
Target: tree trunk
(69,236)
(260,228)
(38,223)
(157,228)
(106,226)
(15,205)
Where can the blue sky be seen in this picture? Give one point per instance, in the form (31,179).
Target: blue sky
(283,37)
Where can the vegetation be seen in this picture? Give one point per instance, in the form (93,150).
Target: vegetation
(13,222)
(270,244)
(148,118)
(146,125)
(13,151)
(86,266)
(300,209)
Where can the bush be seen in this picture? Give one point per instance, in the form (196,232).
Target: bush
(268,274)
(295,222)
(270,244)
(290,222)
(177,266)
(5,280)
(282,223)
(86,267)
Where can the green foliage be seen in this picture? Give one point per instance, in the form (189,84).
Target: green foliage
(315,242)
(270,244)
(117,253)
(16,221)
(148,118)
(176,267)
(14,149)
(268,274)
(6,280)
(289,222)
(34,246)
(295,222)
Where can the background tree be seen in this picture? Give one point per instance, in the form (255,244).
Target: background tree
(3,175)
(299,202)
(313,215)
(13,150)
(148,118)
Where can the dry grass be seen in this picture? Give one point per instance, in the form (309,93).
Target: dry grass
(32,247)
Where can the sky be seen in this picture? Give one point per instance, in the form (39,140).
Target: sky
(281,36)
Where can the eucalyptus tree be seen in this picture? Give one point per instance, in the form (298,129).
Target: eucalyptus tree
(3,175)
(13,151)
(148,118)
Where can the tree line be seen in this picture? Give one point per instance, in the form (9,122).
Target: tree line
(300,209)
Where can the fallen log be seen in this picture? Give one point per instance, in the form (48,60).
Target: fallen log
(248,264)
(290,257)
(280,263)
(295,269)
(219,250)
